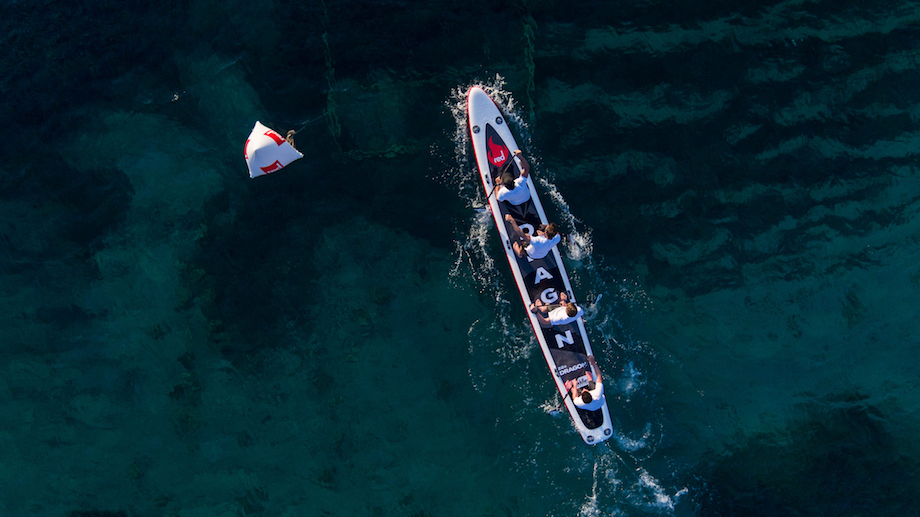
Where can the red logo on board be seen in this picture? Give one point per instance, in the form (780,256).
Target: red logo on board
(245,147)
(497,152)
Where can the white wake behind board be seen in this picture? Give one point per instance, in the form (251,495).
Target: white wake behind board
(266,151)
(565,347)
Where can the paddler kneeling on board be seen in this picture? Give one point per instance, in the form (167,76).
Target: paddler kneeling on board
(590,397)
(564,313)
(511,190)
(537,246)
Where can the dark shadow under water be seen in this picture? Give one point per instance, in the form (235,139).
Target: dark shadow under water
(838,459)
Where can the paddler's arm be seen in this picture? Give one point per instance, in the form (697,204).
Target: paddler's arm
(571,385)
(498,185)
(596,369)
(524,164)
(537,311)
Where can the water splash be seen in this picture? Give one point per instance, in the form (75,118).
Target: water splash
(650,494)
(634,444)
(631,380)
(580,245)
(620,487)
(591,508)
(553,407)
(473,259)
(472,255)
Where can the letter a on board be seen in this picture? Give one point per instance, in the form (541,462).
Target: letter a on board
(542,274)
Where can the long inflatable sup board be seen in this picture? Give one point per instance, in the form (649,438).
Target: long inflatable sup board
(565,347)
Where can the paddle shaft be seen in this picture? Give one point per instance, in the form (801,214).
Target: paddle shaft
(551,305)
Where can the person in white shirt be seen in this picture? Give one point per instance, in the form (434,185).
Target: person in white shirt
(564,314)
(591,397)
(507,188)
(536,246)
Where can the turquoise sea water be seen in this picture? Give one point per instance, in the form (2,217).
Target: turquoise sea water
(343,337)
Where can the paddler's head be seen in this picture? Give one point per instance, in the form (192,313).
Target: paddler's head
(571,309)
(551,230)
(586,396)
(508,180)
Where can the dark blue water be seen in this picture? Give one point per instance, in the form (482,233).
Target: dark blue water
(342,337)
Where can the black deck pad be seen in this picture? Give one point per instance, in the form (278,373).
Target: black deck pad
(591,419)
